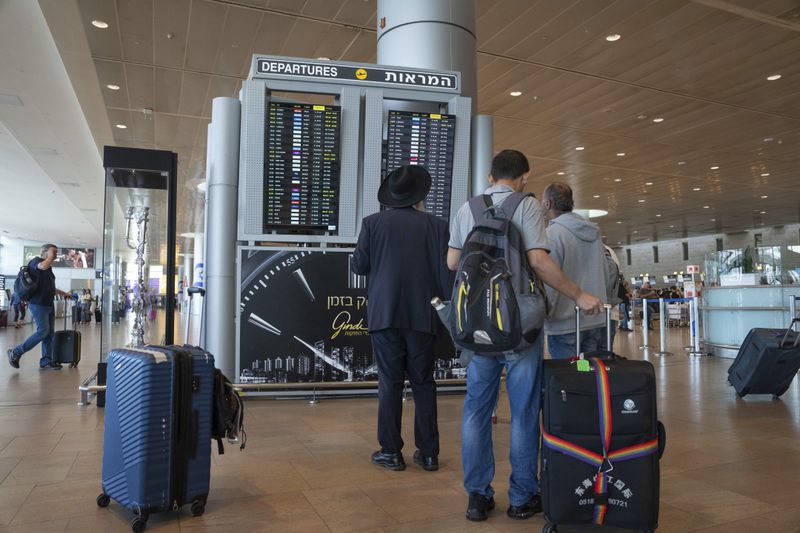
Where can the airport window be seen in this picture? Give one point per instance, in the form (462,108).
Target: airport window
(655,254)
(628,256)
(719,245)
(686,251)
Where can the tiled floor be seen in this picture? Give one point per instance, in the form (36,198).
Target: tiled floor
(730,465)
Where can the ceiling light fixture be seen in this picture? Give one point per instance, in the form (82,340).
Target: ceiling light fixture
(122,126)
(620,154)
(681,162)
(715,167)
(641,201)
(763,212)
(617,179)
(561,173)
(619,222)
(696,189)
(613,37)
(764,196)
(112,87)
(658,215)
(596,196)
(658,120)
(773,77)
(515,93)
(579,148)
(100,24)
(768,139)
(706,206)
(764,174)
(671,226)
(713,220)
(648,183)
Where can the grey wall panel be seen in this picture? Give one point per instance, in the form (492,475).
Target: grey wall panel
(373,133)
(251,163)
(350,100)
(462,108)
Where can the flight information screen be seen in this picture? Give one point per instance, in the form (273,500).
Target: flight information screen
(301,167)
(427,140)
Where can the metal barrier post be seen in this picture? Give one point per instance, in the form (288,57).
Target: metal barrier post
(644,345)
(608,328)
(792,307)
(694,315)
(662,328)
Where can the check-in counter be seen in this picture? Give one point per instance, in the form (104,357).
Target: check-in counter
(728,313)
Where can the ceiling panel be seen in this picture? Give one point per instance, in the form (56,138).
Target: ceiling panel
(167,85)
(171,22)
(136,28)
(205,28)
(235,47)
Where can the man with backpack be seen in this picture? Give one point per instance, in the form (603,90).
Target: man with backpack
(39,281)
(520,223)
(577,249)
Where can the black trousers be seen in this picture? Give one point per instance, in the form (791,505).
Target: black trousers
(401,352)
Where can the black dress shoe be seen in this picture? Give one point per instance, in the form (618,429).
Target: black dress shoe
(427,463)
(526,510)
(479,507)
(392,461)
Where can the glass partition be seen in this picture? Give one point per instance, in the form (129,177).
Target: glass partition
(764,265)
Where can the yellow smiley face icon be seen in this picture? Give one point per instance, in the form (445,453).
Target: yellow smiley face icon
(361,74)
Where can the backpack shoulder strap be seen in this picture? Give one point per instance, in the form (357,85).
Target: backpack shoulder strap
(512,202)
(478,205)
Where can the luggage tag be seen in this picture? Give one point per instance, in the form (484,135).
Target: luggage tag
(583,365)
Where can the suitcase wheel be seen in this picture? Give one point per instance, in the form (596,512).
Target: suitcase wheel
(198,507)
(138,524)
(73,365)
(550,528)
(103,500)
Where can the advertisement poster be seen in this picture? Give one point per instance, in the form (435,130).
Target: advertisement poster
(304,319)
(66,258)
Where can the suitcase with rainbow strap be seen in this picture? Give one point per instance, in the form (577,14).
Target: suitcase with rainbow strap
(601,444)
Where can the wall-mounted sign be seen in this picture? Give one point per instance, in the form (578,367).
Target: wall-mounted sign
(66,258)
(692,269)
(325,71)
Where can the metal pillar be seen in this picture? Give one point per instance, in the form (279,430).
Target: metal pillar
(662,328)
(482,152)
(222,197)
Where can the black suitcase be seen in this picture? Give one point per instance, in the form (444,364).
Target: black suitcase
(67,345)
(98,316)
(598,467)
(767,362)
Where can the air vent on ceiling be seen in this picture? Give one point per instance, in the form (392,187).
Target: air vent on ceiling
(10,99)
(69,184)
(43,151)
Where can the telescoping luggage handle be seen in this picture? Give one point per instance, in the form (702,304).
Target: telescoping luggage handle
(191,291)
(786,335)
(578,353)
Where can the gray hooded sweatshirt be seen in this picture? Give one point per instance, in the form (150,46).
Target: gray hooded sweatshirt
(576,247)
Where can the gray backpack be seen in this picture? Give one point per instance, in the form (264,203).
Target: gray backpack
(498,303)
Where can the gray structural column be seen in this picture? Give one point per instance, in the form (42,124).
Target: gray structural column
(222,194)
(438,34)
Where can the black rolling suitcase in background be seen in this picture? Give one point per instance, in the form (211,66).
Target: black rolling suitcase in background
(601,443)
(67,345)
(767,362)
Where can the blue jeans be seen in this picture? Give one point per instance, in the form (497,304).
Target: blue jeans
(45,318)
(523,383)
(563,346)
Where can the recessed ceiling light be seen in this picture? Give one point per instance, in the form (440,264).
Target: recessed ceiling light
(100,24)
(122,126)
(763,212)
(768,139)
(561,173)
(112,87)
(323,58)
(696,189)
(658,215)
(613,37)
(706,206)
(617,179)
(671,226)
(774,77)
(764,174)
(648,183)
(763,196)
(658,119)
(713,220)
(681,162)
(619,222)
(641,200)
(515,93)
(596,196)
(579,148)
(715,167)
(620,154)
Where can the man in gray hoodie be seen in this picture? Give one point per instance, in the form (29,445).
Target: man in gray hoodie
(576,247)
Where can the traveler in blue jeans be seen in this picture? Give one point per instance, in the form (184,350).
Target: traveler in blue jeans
(42,310)
(510,170)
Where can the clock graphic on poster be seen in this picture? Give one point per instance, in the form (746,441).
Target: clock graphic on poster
(302,318)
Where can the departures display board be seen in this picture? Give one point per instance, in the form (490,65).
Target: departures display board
(301,167)
(427,140)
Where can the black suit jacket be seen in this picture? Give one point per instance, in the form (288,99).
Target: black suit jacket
(404,254)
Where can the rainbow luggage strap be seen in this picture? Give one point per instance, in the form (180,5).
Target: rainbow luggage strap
(602,462)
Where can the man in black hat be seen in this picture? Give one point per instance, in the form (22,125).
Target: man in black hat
(403,251)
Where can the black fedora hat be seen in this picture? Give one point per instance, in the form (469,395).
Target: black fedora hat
(405,186)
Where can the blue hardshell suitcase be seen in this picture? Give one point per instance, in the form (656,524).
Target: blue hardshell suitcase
(157,442)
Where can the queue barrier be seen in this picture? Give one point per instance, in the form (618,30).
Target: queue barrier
(694,323)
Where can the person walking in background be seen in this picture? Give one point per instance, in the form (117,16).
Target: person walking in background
(86,306)
(576,247)
(509,174)
(402,252)
(19,310)
(646,293)
(41,306)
